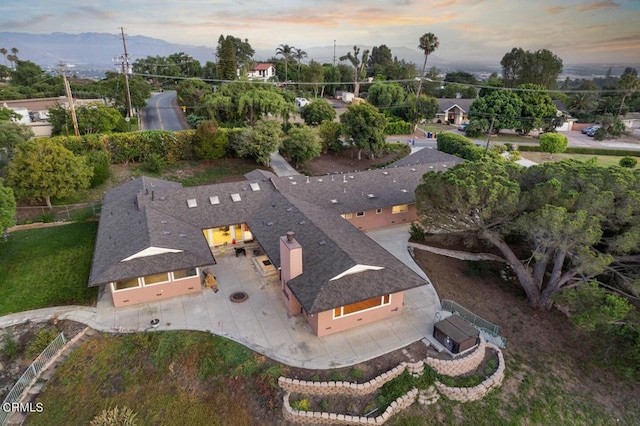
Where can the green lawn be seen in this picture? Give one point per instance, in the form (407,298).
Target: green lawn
(47,267)
(543,157)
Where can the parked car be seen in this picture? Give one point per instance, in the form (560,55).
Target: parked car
(592,130)
(589,129)
(463,127)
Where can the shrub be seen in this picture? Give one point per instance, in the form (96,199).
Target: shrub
(394,389)
(397,126)
(154,163)
(211,142)
(553,143)
(41,340)
(629,162)
(336,376)
(459,146)
(10,346)
(416,232)
(515,155)
(324,406)
(356,373)
(477,128)
(301,405)
(115,417)
(99,161)
(315,378)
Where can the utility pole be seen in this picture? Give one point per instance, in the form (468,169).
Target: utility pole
(67,89)
(334,53)
(493,119)
(125,71)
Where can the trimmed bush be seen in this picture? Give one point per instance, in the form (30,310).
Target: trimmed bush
(397,126)
(628,162)
(584,150)
(553,143)
(459,146)
(211,142)
(99,161)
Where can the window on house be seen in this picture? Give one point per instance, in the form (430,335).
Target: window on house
(378,211)
(402,208)
(347,215)
(360,214)
(156,278)
(124,284)
(184,273)
(361,306)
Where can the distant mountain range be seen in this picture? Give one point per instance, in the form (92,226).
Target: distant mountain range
(99,49)
(96,51)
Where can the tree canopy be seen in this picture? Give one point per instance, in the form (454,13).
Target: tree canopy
(553,143)
(385,95)
(7,207)
(302,144)
(317,112)
(503,106)
(363,127)
(260,141)
(43,169)
(540,67)
(576,221)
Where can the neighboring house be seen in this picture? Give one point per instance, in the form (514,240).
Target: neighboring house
(562,111)
(35,112)
(631,121)
(263,71)
(453,110)
(155,238)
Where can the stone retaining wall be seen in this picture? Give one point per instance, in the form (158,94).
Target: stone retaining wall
(332,388)
(459,366)
(323,418)
(477,392)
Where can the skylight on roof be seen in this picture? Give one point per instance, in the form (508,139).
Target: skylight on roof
(235,197)
(214,200)
(255,186)
(192,203)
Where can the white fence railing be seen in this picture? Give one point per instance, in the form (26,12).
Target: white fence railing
(30,375)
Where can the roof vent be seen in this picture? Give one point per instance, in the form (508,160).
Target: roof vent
(320,180)
(183,235)
(290,236)
(294,183)
(269,223)
(444,165)
(412,169)
(162,198)
(307,179)
(255,187)
(403,190)
(334,201)
(166,233)
(235,197)
(214,200)
(351,177)
(289,209)
(431,167)
(302,222)
(371,196)
(385,173)
(163,221)
(290,177)
(322,242)
(191,203)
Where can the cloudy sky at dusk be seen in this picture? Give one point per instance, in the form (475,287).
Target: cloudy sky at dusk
(578,31)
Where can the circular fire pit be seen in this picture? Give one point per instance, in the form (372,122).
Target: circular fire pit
(238,297)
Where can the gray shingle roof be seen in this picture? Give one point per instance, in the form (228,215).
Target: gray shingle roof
(150,212)
(444,104)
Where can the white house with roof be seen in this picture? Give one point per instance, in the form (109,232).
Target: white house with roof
(262,71)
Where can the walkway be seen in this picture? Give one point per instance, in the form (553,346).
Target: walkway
(262,323)
(280,166)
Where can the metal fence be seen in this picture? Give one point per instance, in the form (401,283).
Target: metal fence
(30,375)
(481,323)
(67,212)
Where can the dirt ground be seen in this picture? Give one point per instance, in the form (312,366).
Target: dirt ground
(344,162)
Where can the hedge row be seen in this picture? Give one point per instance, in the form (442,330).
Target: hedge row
(397,127)
(585,150)
(137,146)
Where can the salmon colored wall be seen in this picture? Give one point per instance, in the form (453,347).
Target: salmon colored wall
(372,220)
(155,292)
(323,323)
(290,259)
(292,303)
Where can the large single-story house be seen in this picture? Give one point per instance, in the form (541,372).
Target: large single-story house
(155,238)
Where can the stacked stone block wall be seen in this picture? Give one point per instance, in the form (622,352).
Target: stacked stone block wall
(323,418)
(477,392)
(459,366)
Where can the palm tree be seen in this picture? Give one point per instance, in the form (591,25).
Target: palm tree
(629,83)
(300,55)
(286,52)
(428,43)
(13,58)
(582,103)
(358,66)
(3,51)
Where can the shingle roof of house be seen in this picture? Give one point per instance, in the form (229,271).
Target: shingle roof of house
(263,66)
(445,104)
(153,213)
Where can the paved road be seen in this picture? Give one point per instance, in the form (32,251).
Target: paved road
(162,113)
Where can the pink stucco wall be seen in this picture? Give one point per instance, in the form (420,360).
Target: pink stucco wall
(324,324)
(373,220)
(150,293)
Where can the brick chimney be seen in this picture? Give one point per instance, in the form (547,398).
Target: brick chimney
(290,257)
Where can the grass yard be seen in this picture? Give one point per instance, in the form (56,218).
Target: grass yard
(47,267)
(543,157)
(166,378)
